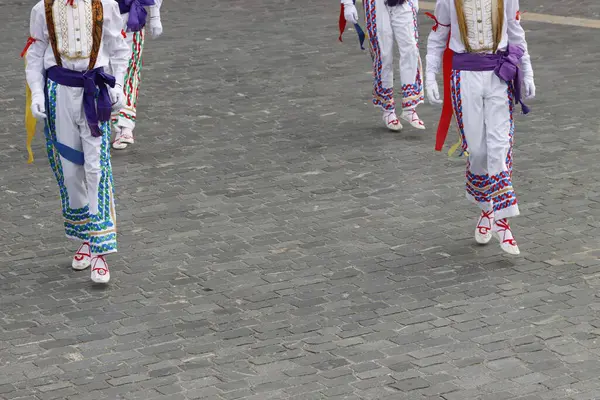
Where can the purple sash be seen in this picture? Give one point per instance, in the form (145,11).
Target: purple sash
(505,65)
(92,82)
(137,13)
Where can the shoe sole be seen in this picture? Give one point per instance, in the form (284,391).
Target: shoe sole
(502,248)
(119,147)
(80,268)
(483,242)
(101,280)
(419,127)
(398,129)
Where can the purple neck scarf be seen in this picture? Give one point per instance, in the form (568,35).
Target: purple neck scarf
(137,13)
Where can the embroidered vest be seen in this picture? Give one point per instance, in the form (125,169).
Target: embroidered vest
(97,23)
(497,24)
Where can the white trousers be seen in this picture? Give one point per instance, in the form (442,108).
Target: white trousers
(384,25)
(86,191)
(483,108)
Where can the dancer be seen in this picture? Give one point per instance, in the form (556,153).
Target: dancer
(134,29)
(386,21)
(72,42)
(486,62)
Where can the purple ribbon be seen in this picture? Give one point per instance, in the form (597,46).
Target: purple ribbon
(137,13)
(505,65)
(94,82)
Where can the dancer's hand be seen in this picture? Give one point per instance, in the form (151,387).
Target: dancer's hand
(156,28)
(350,13)
(529,87)
(116,97)
(38,106)
(432,89)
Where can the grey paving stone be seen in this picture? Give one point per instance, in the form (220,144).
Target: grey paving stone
(277,243)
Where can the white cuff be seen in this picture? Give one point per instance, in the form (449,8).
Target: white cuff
(154,12)
(527,70)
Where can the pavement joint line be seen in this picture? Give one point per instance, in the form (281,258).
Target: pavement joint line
(535,17)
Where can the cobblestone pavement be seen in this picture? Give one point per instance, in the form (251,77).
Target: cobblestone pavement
(278,243)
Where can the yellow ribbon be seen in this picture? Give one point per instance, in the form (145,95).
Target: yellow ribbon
(30,121)
(455,147)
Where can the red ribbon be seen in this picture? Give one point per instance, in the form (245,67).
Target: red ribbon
(30,41)
(124,34)
(342,22)
(447,112)
(70,3)
(446,117)
(437,23)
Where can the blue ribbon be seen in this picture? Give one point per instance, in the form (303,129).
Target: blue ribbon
(361,35)
(359,32)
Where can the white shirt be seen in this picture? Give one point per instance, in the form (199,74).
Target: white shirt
(478,16)
(73,26)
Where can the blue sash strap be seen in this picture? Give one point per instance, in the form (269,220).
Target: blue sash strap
(69,153)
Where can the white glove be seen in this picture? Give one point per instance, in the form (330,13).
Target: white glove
(38,106)
(432,89)
(529,87)
(116,97)
(350,13)
(156,28)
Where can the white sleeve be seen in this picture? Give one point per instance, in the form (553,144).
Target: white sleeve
(116,47)
(347,2)
(155,9)
(438,38)
(516,34)
(35,71)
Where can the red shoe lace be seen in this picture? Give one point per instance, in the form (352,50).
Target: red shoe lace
(415,117)
(503,224)
(79,254)
(393,122)
(101,270)
(484,229)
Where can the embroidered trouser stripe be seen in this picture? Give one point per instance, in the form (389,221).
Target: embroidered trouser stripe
(86,191)
(483,108)
(133,77)
(384,25)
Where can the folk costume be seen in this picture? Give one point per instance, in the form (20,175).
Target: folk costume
(136,15)
(73,44)
(487,70)
(388,21)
